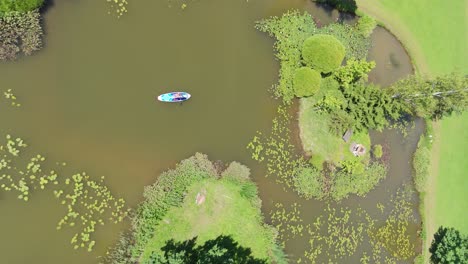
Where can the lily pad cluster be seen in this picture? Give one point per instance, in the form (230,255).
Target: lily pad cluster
(89,202)
(118,7)
(11,98)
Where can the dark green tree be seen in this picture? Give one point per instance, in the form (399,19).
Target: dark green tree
(323,53)
(432,98)
(370,107)
(222,249)
(449,246)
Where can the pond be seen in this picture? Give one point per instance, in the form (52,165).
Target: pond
(89,99)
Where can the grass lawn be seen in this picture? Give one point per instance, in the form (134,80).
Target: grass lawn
(317,139)
(434,32)
(224,212)
(451,189)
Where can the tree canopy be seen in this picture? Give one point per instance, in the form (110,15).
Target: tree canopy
(323,53)
(306,82)
(449,246)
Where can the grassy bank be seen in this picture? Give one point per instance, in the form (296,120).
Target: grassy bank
(436,36)
(225,211)
(436,45)
(198,211)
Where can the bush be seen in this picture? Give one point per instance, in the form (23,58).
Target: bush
(377,151)
(249,191)
(366,25)
(323,53)
(19,32)
(308,182)
(353,71)
(236,171)
(8,6)
(317,161)
(306,82)
(329,84)
(352,166)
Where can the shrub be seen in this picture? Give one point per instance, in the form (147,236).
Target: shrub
(353,71)
(19,32)
(8,6)
(352,166)
(236,171)
(329,84)
(317,161)
(249,191)
(323,53)
(306,82)
(377,151)
(449,246)
(308,182)
(366,25)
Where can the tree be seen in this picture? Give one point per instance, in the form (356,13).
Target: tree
(323,53)
(434,98)
(306,82)
(449,246)
(370,107)
(353,71)
(222,249)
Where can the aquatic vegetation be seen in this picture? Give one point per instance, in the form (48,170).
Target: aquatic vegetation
(118,7)
(309,183)
(337,233)
(280,155)
(290,31)
(89,202)
(288,221)
(19,33)
(9,96)
(393,235)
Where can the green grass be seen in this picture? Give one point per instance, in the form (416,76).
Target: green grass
(434,32)
(316,137)
(224,211)
(452,182)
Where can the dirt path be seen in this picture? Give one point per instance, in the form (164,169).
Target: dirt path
(430,197)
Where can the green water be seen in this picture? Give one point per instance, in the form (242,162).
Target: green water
(88,98)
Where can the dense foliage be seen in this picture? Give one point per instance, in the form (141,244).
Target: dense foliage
(370,107)
(353,71)
(290,30)
(22,6)
(433,98)
(306,82)
(19,33)
(449,246)
(366,25)
(421,162)
(323,53)
(222,249)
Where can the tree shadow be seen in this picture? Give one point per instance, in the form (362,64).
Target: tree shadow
(222,249)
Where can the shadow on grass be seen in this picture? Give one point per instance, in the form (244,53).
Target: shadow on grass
(222,249)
